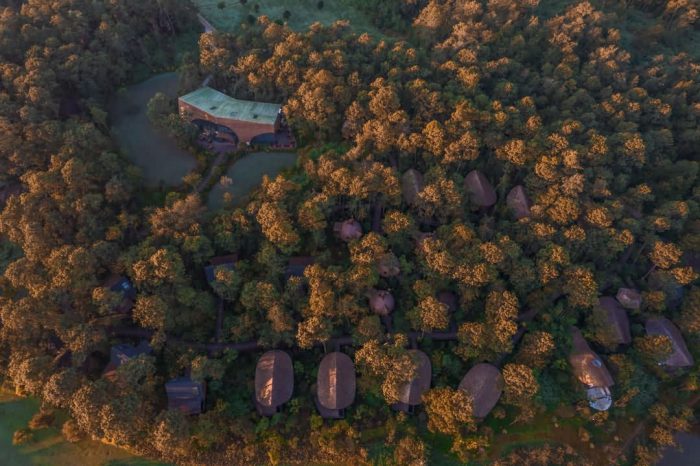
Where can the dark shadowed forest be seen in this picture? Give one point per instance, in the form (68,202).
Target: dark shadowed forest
(510,187)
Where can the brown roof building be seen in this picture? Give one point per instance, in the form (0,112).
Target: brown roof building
(518,201)
(484,384)
(590,370)
(122,353)
(274,382)
(411,186)
(335,385)
(680,357)
(246,119)
(617,320)
(347,231)
(480,191)
(186,395)
(381,302)
(629,298)
(227,262)
(296,266)
(410,393)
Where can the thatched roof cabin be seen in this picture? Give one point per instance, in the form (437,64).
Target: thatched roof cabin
(388,265)
(484,383)
(617,320)
(186,395)
(410,393)
(335,385)
(680,357)
(480,191)
(590,370)
(629,298)
(274,382)
(518,202)
(296,266)
(381,302)
(227,262)
(348,230)
(411,186)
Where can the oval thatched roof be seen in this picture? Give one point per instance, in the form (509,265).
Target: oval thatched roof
(680,357)
(629,298)
(348,230)
(484,383)
(617,319)
(411,392)
(336,381)
(518,201)
(411,185)
(587,366)
(480,190)
(381,302)
(274,379)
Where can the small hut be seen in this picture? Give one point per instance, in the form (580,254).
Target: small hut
(186,395)
(411,186)
(122,353)
(449,299)
(121,285)
(347,231)
(484,384)
(388,265)
(590,370)
(296,266)
(518,202)
(479,189)
(335,386)
(617,320)
(680,357)
(274,382)
(410,393)
(227,262)
(381,302)
(629,298)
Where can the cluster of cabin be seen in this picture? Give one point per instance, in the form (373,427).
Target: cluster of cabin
(335,387)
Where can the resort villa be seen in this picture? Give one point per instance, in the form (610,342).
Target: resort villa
(224,121)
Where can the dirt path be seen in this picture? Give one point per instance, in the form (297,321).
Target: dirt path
(208,27)
(221,158)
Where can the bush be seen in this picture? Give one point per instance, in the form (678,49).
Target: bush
(287,14)
(71,432)
(21,436)
(319,5)
(251,19)
(41,420)
(222,5)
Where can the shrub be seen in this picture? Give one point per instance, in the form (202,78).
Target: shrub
(21,436)
(41,420)
(222,5)
(319,5)
(71,432)
(287,14)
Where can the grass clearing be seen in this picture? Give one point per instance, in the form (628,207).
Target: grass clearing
(47,447)
(303,13)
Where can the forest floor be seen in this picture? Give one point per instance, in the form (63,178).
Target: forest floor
(48,447)
(303,13)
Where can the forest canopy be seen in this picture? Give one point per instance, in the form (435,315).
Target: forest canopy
(482,183)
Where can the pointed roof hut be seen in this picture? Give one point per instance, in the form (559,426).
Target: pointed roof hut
(617,319)
(411,186)
(479,189)
(381,302)
(227,262)
(680,357)
(590,370)
(274,382)
(186,395)
(410,393)
(518,201)
(629,298)
(348,230)
(484,383)
(388,265)
(335,385)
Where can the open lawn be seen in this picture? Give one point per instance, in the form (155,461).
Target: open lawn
(303,13)
(48,448)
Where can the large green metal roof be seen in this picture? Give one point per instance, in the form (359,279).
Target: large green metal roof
(220,105)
